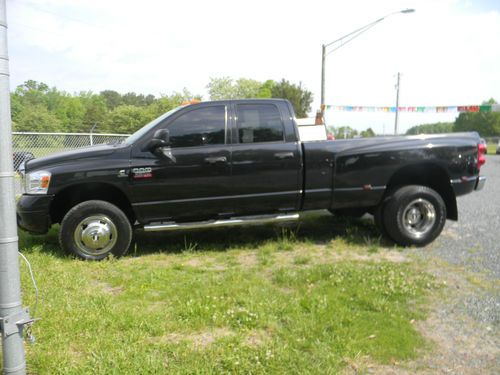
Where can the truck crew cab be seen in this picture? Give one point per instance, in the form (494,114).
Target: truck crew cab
(241,161)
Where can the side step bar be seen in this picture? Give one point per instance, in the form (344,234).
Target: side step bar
(242,220)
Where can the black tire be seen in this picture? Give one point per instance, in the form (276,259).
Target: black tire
(414,215)
(378,218)
(93,230)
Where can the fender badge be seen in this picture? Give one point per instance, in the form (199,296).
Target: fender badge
(139,173)
(122,173)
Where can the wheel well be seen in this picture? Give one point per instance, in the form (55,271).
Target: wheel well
(429,175)
(71,196)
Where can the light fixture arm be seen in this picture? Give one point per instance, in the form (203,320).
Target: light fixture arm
(348,37)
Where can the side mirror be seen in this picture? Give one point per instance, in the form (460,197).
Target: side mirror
(159,145)
(161,138)
(164,135)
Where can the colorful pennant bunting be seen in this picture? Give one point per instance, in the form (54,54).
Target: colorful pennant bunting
(426,109)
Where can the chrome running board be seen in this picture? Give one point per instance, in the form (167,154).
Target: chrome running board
(242,220)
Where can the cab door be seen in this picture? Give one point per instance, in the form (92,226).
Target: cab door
(194,184)
(266,161)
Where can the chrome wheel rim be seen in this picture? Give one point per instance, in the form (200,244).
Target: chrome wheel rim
(95,235)
(419,217)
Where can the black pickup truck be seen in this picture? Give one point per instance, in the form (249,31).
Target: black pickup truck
(241,162)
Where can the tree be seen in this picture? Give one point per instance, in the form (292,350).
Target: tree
(266,89)
(131,98)
(221,88)
(112,98)
(435,128)
(32,92)
(244,88)
(247,88)
(367,133)
(36,107)
(37,118)
(342,132)
(16,105)
(167,102)
(95,112)
(300,98)
(487,124)
(70,111)
(126,119)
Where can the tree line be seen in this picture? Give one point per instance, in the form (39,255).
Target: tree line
(341,132)
(487,124)
(36,107)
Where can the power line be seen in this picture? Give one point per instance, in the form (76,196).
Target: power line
(63,17)
(35,28)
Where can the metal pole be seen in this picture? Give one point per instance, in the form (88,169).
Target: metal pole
(348,37)
(92,134)
(323,56)
(397,106)
(11,313)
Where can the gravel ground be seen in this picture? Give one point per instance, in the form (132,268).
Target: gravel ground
(474,241)
(465,323)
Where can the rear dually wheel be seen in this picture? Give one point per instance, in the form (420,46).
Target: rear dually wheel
(414,215)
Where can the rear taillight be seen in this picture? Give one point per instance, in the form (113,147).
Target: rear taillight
(481,150)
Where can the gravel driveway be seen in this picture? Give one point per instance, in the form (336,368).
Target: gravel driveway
(465,323)
(474,241)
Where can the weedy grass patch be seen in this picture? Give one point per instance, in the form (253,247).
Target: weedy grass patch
(249,300)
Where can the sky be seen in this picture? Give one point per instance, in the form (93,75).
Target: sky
(447,51)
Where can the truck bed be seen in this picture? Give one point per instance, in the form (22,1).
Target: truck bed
(357,172)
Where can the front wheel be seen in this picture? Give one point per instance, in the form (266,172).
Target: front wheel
(93,230)
(414,215)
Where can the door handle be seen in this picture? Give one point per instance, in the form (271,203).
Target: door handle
(284,155)
(216,159)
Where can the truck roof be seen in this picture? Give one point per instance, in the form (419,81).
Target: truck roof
(270,100)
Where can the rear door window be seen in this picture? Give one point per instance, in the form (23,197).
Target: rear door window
(259,123)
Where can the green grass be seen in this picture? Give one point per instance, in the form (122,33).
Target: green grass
(305,300)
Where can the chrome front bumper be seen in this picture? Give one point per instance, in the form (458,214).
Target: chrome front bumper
(480,183)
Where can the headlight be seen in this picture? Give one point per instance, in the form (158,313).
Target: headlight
(37,182)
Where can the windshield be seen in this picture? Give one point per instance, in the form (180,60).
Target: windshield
(139,133)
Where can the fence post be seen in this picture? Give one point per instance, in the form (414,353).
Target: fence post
(92,134)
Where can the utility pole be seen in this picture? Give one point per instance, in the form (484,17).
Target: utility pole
(323,57)
(12,316)
(397,106)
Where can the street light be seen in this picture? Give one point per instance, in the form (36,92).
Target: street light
(343,41)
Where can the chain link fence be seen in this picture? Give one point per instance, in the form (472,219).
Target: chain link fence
(27,146)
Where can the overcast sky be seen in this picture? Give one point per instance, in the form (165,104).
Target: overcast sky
(448,51)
